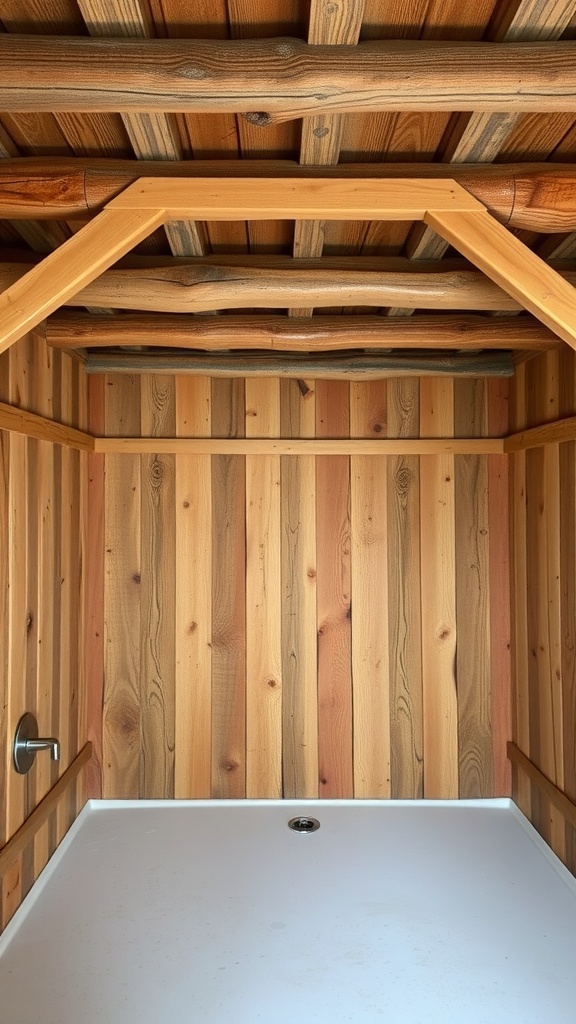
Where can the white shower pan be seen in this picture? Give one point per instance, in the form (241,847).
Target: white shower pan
(217,912)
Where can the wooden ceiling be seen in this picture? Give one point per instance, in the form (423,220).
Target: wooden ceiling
(53,117)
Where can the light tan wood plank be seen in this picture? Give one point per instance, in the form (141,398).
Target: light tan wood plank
(123,574)
(299,663)
(319,446)
(472,599)
(509,263)
(520,651)
(193,752)
(289,198)
(94,644)
(437,524)
(404,613)
(32,425)
(263,602)
(157,594)
(369,578)
(22,837)
(228,597)
(549,433)
(500,572)
(64,272)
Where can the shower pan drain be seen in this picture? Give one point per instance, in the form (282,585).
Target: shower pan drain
(304,825)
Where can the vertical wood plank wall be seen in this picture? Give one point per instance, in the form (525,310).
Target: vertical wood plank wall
(42,526)
(304,626)
(543,516)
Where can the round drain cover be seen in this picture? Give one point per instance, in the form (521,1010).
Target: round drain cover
(304,825)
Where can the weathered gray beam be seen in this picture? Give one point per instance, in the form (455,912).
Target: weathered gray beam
(327,367)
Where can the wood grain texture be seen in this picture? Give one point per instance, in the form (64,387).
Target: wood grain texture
(185,287)
(438,595)
(193,543)
(273,80)
(299,575)
(335,737)
(122,601)
(346,527)
(543,506)
(369,578)
(403,412)
(308,334)
(157,594)
(42,663)
(80,259)
(228,596)
(473,665)
(263,604)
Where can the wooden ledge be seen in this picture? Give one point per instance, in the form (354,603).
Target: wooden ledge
(556,796)
(19,841)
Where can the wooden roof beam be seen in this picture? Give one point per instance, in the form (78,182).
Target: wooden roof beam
(188,287)
(150,202)
(534,196)
(281,79)
(291,334)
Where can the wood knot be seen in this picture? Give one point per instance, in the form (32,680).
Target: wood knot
(192,627)
(272,683)
(443,633)
(259,118)
(321,133)
(136,577)
(185,504)
(230,765)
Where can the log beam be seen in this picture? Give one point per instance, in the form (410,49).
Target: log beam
(275,80)
(302,334)
(198,287)
(372,366)
(533,196)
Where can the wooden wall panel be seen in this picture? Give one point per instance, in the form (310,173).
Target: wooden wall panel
(42,512)
(543,500)
(327,576)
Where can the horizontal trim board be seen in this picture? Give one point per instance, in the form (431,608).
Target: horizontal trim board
(281,79)
(19,841)
(297,446)
(536,437)
(19,421)
(556,796)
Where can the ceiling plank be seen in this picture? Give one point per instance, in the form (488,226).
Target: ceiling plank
(289,334)
(153,135)
(481,135)
(331,24)
(276,80)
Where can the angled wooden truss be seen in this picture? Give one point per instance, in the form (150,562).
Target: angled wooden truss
(148,203)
